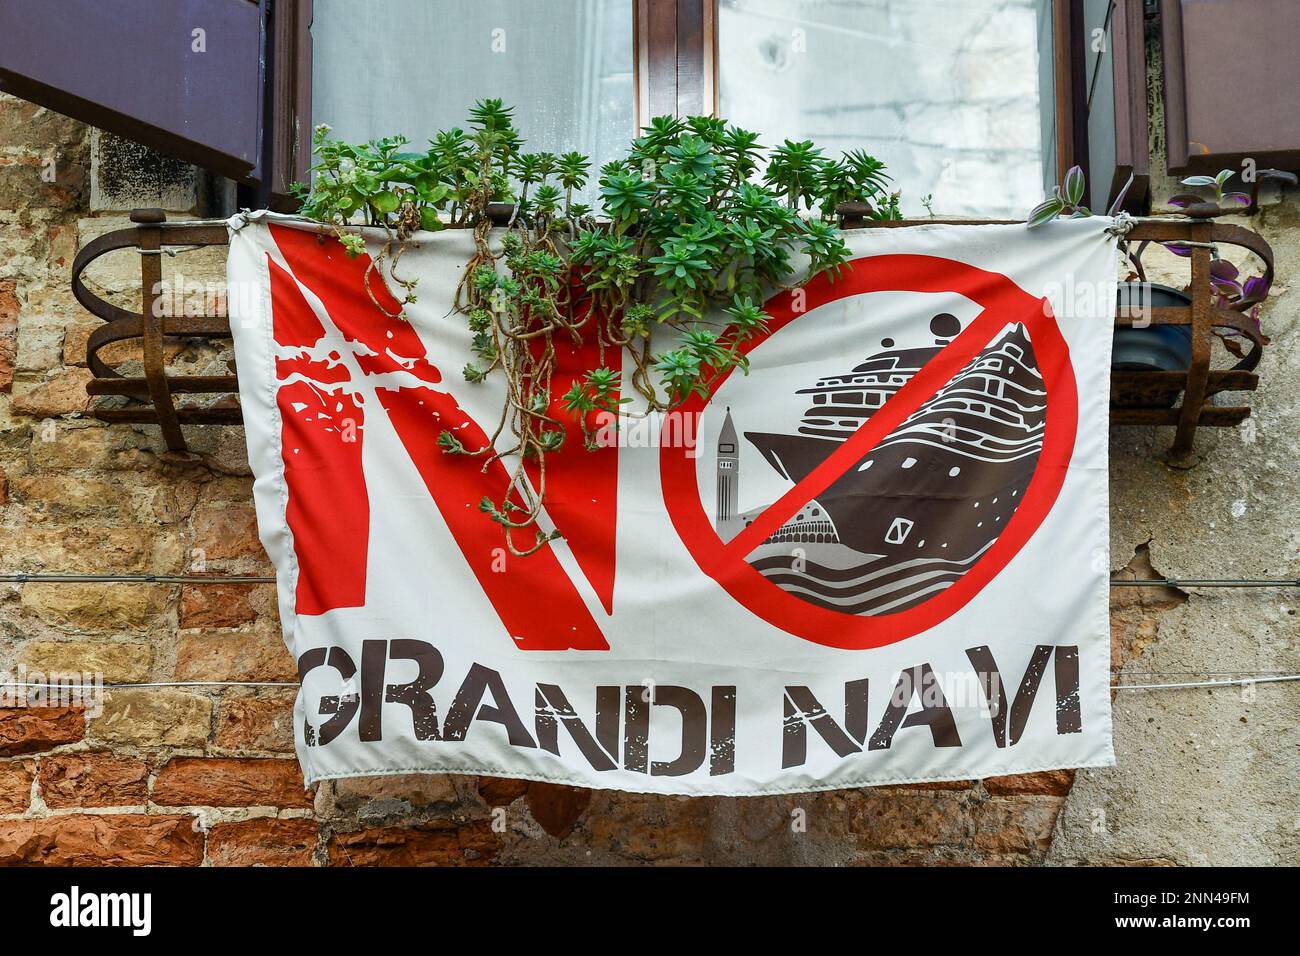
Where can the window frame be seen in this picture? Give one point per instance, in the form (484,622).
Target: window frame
(675,58)
(287,138)
(676,71)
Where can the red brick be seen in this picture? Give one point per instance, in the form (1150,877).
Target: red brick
(501,791)
(928,857)
(230,782)
(256,723)
(16,785)
(75,340)
(93,780)
(217,605)
(555,807)
(9,308)
(638,826)
(61,395)
(367,797)
(226,530)
(1021,824)
(127,839)
(263,842)
(32,729)
(896,819)
(234,656)
(933,785)
(471,844)
(113,354)
(1046,783)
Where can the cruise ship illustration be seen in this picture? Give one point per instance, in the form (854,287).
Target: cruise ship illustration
(921,507)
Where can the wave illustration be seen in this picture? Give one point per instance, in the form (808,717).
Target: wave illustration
(878,586)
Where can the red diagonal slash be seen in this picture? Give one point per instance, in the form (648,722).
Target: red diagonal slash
(1003,303)
(936,373)
(534,597)
(322,428)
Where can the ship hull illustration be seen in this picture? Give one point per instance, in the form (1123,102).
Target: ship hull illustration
(919,509)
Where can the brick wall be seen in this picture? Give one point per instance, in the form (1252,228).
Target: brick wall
(190,776)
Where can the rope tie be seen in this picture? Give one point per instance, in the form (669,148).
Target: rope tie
(1122,225)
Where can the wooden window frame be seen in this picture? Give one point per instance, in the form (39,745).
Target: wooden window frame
(676,71)
(676,65)
(1132,124)
(286,139)
(137,85)
(675,58)
(1127,51)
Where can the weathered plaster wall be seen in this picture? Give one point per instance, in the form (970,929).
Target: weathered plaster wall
(1210,776)
(191,775)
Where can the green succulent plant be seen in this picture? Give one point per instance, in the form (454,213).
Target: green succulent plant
(686,231)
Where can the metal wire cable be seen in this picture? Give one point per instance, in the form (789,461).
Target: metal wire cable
(55,578)
(1205,582)
(1283,679)
(1273,678)
(58,685)
(23,577)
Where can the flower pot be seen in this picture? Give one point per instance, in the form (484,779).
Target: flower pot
(1156,348)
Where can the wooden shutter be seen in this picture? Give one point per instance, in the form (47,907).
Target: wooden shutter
(218,83)
(1231,71)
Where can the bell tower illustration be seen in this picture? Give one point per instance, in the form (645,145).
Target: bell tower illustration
(727,521)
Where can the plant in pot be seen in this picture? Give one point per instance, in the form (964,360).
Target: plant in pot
(695,235)
(1163,348)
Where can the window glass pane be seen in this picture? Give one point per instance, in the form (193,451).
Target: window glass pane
(415,67)
(954,96)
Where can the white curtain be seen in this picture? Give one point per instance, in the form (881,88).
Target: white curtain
(415,66)
(946,92)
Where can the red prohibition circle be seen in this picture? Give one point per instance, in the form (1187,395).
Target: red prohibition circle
(1002,302)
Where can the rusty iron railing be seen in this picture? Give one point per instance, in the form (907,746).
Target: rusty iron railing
(1149,396)
(152,394)
(1138,397)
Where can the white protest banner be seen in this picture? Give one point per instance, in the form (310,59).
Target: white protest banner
(880,556)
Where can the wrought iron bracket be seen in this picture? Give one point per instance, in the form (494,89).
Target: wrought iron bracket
(153,394)
(1137,397)
(1157,392)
